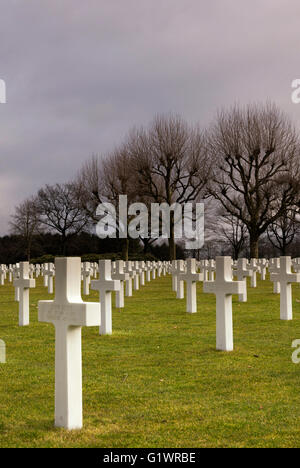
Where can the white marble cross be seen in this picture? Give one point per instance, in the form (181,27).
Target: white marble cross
(223,287)
(37,270)
(262,263)
(154,268)
(49,273)
(204,269)
(86,273)
(68,313)
(148,271)
(142,268)
(16,274)
(174,275)
(159,268)
(177,271)
(211,268)
(105,285)
(2,274)
(31,271)
(131,274)
(45,276)
(23,283)
(254,268)
(191,277)
(242,272)
(286,278)
(136,278)
(120,275)
(95,269)
(274,267)
(10,273)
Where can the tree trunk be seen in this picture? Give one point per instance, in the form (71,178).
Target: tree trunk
(254,245)
(172,249)
(63,245)
(236,252)
(172,245)
(28,250)
(284,245)
(125,249)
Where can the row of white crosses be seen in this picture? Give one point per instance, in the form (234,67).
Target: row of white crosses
(223,287)
(180,274)
(69,313)
(112,279)
(140,269)
(23,281)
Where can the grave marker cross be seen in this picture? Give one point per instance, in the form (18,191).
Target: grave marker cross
(105,285)
(242,272)
(68,313)
(23,283)
(223,287)
(120,275)
(286,278)
(191,278)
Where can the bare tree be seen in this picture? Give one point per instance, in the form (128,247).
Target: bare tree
(234,231)
(170,164)
(255,152)
(90,179)
(25,222)
(104,180)
(119,179)
(60,210)
(282,232)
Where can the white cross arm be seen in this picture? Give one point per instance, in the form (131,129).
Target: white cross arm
(194,277)
(293,278)
(120,276)
(274,277)
(209,287)
(108,285)
(235,287)
(245,272)
(24,283)
(81,314)
(228,287)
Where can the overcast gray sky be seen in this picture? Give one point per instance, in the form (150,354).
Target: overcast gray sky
(81,73)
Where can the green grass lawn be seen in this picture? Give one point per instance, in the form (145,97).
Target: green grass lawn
(158,380)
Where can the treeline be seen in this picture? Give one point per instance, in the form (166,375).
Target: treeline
(45,247)
(245,166)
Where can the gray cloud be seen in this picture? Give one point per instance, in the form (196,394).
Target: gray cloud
(80,74)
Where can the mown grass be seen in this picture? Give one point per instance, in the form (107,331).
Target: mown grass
(158,380)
